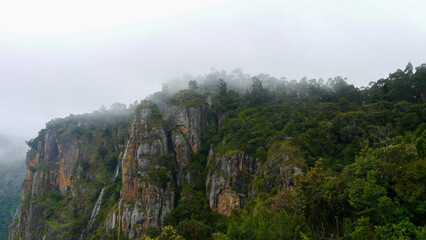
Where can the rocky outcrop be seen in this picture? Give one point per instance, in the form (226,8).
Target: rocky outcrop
(147,193)
(228,180)
(66,166)
(74,161)
(75,169)
(50,167)
(60,155)
(157,151)
(189,125)
(191,122)
(234,176)
(227,200)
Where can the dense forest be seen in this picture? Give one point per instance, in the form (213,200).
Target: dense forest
(362,151)
(11,176)
(333,161)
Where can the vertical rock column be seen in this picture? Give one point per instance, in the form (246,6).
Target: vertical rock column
(189,125)
(50,166)
(147,194)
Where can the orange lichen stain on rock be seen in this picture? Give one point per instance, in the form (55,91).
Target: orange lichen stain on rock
(64,179)
(130,189)
(227,201)
(126,166)
(194,147)
(59,148)
(180,155)
(130,181)
(130,150)
(182,128)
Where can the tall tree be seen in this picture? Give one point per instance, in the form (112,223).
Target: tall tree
(192,85)
(221,87)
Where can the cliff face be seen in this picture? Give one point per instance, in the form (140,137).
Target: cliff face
(66,165)
(50,167)
(157,151)
(118,177)
(188,127)
(193,165)
(234,176)
(228,180)
(148,193)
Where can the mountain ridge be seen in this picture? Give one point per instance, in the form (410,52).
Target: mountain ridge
(211,161)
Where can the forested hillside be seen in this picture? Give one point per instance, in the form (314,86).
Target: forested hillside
(11,176)
(236,157)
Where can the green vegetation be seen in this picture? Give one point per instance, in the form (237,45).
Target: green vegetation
(12,175)
(187,98)
(361,153)
(160,169)
(99,138)
(155,112)
(167,233)
(8,206)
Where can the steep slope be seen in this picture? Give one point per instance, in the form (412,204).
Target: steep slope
(232,166)
(11,177)
(12,173)
(67,165)
(228,180)
(148,190)
(73,181)
(157,151)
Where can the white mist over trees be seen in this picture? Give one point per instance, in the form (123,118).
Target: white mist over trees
(12,148)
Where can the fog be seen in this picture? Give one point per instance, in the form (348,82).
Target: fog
(57,59)
(12,149)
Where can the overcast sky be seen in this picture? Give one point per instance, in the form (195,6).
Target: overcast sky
(62,57)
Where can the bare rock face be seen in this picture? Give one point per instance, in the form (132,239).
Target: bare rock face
(234,176)
(227,200)
(228,180)
(69,168)
(147,194)
(57,190)
(189,125)
(50,167)
(60,155)
(153,164)
(148,181)
(191,121)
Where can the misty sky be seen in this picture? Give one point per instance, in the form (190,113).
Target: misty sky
(62,57)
